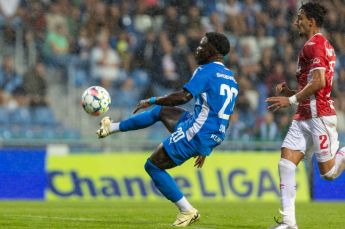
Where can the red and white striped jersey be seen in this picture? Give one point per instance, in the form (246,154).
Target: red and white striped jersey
(317,53)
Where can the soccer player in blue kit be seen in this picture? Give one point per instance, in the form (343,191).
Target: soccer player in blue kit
(193,134)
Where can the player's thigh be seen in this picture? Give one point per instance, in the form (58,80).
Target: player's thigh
(161,159)
(296,142)
(325,139)
(170,117)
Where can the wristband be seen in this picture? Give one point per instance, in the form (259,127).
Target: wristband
(293,100)
(152,100)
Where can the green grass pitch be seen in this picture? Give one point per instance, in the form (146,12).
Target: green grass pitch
(142,215)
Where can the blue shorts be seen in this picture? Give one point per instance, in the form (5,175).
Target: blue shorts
(177,146)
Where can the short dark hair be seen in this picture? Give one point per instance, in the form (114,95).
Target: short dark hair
(314,10)
(219,41)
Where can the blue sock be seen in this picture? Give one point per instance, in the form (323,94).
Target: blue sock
(164,182)
(141,120)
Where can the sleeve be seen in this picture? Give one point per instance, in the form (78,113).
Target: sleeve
(316,54)
(198,83)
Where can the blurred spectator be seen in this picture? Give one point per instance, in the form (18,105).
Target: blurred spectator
(265,68)
(277,76)
(35,85)
(57,47)
(105,62)
(339,89)
(184,60)
(237,128)
(173,73)
(19,99)
(249,11)
(145,56)
(113,22)
(142,21)
(9,20)
(9,80)
(249,60)
(212,22)
(232,7)
(122,48)
(284,121)
(34,20)
(193,17)
(56,17)
(172,24)
(268,129)
(95,19)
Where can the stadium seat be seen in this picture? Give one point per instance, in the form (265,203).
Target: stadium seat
(5,131)
(20,116)
(43,116)
(71,134)
(4,116)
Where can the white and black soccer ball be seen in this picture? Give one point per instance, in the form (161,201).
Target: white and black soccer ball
(95,100)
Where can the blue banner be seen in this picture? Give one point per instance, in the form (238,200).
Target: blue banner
(327,190)
(22,173)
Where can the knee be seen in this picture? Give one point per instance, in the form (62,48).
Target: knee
(286,165)
(156,111)
(149,166)
(331,174)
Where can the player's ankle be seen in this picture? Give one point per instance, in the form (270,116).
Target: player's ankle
(114,127)
(289,219)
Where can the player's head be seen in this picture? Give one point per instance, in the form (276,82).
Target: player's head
(311,15)
(212,46)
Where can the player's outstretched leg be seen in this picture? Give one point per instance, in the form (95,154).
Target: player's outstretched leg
(168,187)
(138,121)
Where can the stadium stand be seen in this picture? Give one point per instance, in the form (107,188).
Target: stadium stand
(151,44)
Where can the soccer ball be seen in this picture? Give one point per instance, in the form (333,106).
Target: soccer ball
(95,100)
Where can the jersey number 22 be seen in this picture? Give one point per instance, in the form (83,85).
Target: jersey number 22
(225,90)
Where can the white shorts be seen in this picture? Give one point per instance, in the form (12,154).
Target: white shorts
(318,135)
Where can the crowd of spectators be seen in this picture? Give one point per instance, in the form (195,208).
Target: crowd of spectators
(140,48)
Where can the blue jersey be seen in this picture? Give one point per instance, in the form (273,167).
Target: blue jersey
(215,91)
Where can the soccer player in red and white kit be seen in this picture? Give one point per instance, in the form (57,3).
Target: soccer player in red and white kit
(313,129)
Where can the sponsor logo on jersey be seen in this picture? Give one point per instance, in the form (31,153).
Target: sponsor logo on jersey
(221,75)
(316,60)
(330,52)
(322,154)
(216,138)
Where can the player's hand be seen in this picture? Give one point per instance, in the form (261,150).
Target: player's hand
(199,162)
(277,103)
(280,88)
(142,105)
(283,89)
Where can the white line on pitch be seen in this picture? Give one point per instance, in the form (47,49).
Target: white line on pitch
(54,217)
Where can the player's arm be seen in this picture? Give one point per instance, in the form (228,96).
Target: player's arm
(317,82)
(173,99)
